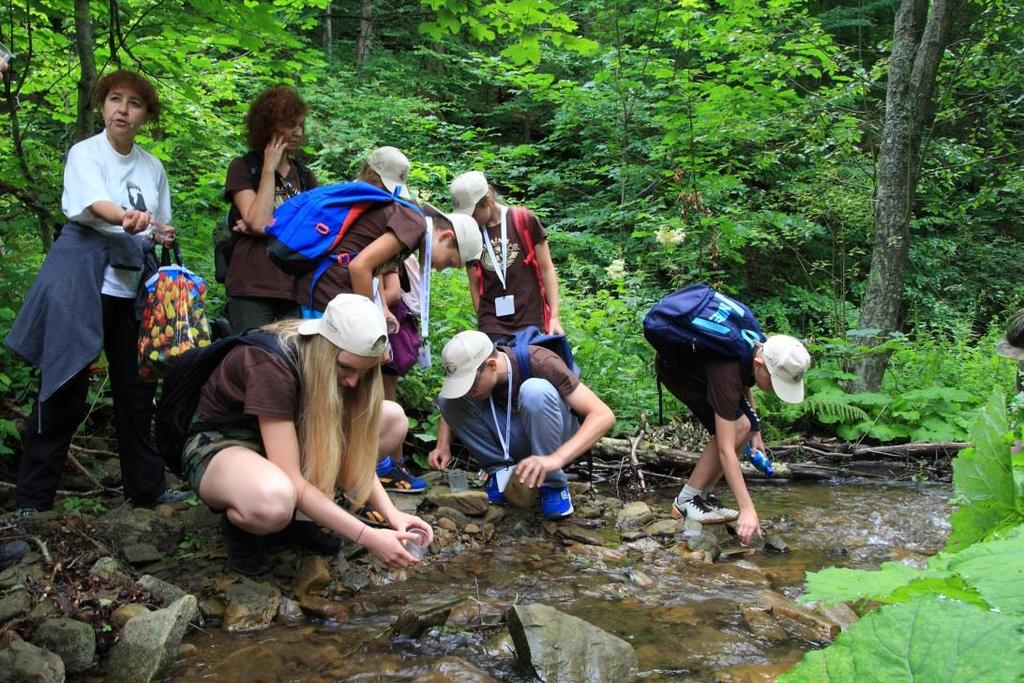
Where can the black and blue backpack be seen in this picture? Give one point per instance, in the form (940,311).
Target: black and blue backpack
(701,320)
(307,229)
(532,336)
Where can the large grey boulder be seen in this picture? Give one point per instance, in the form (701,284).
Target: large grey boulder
(158,588)
(559,647)
(149,643)
(73,641)
(23,662)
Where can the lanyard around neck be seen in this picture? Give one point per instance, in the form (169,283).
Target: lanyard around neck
(504,440)
(425,271)
(500,269)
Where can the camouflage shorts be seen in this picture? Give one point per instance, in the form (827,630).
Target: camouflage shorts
(202,446)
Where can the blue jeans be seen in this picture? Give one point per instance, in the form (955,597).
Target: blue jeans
(541,422)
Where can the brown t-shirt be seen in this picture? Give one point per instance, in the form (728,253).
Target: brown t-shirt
(251,381)
(407,225)
(520,279)
(251,272)
(544,364)
(715,381)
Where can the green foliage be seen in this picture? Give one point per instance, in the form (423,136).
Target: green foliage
(92,506)
(923,640)
(970,598)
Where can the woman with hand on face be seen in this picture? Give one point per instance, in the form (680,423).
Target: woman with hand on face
(282,425)
(83,301)
(257,183)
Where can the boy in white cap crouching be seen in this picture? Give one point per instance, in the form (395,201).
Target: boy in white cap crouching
(515,427)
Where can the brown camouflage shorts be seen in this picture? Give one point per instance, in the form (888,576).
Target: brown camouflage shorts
(202,446)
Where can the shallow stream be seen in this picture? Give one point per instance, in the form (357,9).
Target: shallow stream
(685,623)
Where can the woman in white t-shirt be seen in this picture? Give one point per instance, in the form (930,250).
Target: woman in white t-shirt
(117,201)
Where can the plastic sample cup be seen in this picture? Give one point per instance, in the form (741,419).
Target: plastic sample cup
(458,481)
(419,547)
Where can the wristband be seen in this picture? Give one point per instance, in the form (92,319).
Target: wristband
(360,534)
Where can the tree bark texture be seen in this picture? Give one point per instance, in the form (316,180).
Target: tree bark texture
(329,31)
(363,42)
(919,38)
(85,119)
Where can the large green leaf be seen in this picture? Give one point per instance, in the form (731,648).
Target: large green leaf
(929,639)
(996,569)
(841,585)
(983,481)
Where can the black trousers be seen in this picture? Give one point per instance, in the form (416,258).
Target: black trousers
(53,422)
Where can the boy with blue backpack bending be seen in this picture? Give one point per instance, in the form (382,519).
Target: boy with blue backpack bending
(710,353)
(513,408)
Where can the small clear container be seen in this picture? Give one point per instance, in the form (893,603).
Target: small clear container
(5,55)
(458,481)
(417,548)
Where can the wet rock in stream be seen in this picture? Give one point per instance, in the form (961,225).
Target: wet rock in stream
(24,662)
(561,647)
(149,643)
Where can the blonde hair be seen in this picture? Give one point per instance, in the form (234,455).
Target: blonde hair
(338,427)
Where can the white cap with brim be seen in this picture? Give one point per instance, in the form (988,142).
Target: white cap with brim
(468,189)
(1012,343)
(393,168)
(353,323)
(468,235)
(462,356)
(1007,350)
(787,361)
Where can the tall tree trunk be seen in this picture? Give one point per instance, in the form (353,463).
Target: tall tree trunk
(919,39)
(85,120)
(364,40)
(329,30)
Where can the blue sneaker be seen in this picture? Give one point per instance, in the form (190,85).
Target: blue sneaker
(395,476)
(494,496)
(555,502)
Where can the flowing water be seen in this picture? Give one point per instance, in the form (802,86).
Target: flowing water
(685,623)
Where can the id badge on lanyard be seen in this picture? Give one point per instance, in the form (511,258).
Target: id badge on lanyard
(426,269)
(504,306)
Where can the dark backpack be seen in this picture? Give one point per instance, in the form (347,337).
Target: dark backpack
(700,320)
(307,229)
(531,336)
(224,238)
(183,384)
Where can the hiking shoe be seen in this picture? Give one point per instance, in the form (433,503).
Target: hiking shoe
(171,496)
(371,516)
(308,534)
(698,510)
(246,552)
(729,514)
(494,496)
(395,476)
(555,502)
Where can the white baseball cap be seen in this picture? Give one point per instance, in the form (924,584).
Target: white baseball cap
(468,189)
(467,232)
(353,323)
(462,356)
(393,168)
(786,360)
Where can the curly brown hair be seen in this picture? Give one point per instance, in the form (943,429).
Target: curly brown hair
(274,108)
(140,85)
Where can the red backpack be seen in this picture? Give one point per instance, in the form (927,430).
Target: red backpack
(520,218)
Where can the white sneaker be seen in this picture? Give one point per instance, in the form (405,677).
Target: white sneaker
(698,510)
(729,514)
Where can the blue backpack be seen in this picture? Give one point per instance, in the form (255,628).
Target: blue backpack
(307,229)
(698,319)
(532,336)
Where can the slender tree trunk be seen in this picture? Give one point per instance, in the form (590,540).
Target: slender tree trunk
(363,43)
(329,30)
(919,38)
(85,120)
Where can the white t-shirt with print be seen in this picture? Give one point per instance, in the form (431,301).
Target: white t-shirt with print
(95,172)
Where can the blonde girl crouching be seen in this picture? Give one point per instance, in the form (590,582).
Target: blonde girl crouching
(277,433)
